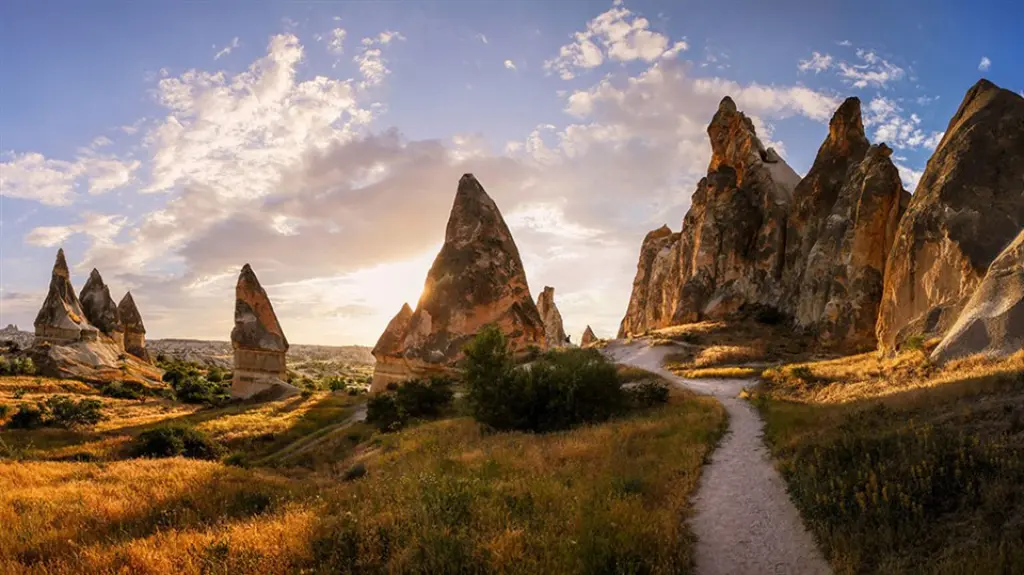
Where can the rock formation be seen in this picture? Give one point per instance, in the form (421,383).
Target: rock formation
(134,329)
(992,322)
(477,279)
(258,342)
(588,338)
(554,332)
(656,284)
(61,319)
(100,309)
(968,206)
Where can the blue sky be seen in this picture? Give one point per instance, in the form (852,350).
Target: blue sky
(169,143)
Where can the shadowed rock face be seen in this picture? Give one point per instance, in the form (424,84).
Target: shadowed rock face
(841,282)
(476,279)
(61,318)
(992,322)
(259,343)
(967,207)
(656,284)
(588,338)
(100,309)
(554,331)
(134,329)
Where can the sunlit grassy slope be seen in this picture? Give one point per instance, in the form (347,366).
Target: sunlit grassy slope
(901,466)
(439,497)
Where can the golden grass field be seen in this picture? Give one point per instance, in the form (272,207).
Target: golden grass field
(439,497)
(901,466)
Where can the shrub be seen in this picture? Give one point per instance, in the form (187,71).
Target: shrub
(5,365)
(647,394)
(336,384)
(355,472)
(559,390)
(4,410)
(803,373)
(27,417)
(175,440)
(914,343)
(17,366)
(392,409)
(125,390)
(215,374)
(199,390)
(18,393)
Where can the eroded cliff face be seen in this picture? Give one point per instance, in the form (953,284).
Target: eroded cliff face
(968,206)
(259,343)
(656,285)
(100,309)
(61,318)
(554,331)
(992,322)
(134,328)
(477,279)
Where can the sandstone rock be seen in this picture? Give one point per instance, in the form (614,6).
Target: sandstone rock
(554,331)
(97,361)
(258,342)
(390,345)
(733,241)
(656,284)
(100,309)
(992,322)
(967,207)
(588,338)
(477,279)
(61,319)
(134,329)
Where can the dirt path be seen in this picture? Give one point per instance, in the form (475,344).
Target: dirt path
(745,522)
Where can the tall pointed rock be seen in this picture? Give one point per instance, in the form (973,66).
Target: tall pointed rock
(554,331)
(653,300)
(100,309)
(390,344)
(968,206)
(588,338)
(61,319)
(477,279)
(258,341)
(134,329)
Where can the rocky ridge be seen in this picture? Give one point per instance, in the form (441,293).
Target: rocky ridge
(554,331)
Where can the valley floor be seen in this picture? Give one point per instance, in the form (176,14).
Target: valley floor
(310,490)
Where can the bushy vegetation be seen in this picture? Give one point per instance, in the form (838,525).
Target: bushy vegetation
(558,390)
(415,399)
(899,466)
(175,440)
(192,385)
(126,390)
(57,411)
(647,394)
(17,366)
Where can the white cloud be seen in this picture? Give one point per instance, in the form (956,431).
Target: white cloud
(387,36)
(336,42)
(817,63)
(371,61)
(102,228)
(32,176)
(909,176)
(227,49)
(510,65)
(895,128)
(482,38)
(617,34)
(985,64)
(873,70)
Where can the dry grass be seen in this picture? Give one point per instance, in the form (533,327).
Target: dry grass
(901,466)
(720,373)
(442,497)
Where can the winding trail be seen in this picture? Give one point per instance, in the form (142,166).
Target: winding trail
(745,522)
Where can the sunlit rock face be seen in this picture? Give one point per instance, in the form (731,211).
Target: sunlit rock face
(968,206)
(588,338)
(134,329)
(258,341)
(554,331)
(61,318)
(100,309)
(992,321)
(477,279)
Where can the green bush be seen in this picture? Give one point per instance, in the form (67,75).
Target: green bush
(215,374)
(58,411)
(914,343)
(392,409)
(560,390)
(5,365)
(196,389)
(647,394)
(175,440)
(17,366)
(4,410)
(125,390)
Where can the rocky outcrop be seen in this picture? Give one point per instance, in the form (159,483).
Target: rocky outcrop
(100,309)
(968,206)
(258,342)
(61,319)
(477,279)
(554,331)
(134,329)
(656,284)
(389,345)
(732,247)
(588,338)
(992,322)
(845,213)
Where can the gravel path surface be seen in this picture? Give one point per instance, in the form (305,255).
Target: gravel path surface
(745,522)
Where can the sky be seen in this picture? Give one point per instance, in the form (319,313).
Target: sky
(167,144)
